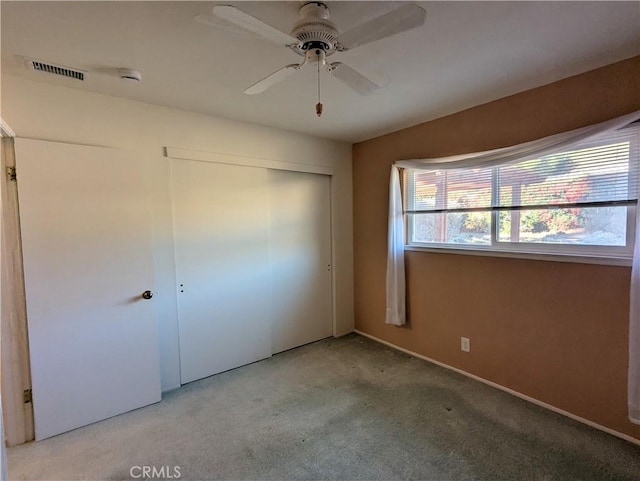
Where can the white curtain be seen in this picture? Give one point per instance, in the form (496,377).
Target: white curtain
(634,330)
(533,149)
(491,158)
(395,255)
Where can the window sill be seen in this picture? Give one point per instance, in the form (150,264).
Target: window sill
(493,252)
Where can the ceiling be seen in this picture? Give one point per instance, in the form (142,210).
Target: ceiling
(466,54)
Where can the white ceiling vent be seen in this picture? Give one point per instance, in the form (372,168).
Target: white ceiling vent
(56,69)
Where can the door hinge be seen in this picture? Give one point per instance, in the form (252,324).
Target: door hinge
(27,396)
(11,174)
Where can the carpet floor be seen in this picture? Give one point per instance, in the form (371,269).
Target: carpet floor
(338,409)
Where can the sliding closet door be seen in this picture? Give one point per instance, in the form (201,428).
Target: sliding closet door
(222,248)
(300,258)
(86,236)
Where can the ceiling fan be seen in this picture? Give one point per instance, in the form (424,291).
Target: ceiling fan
(315,37)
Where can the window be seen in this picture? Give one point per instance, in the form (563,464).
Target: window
(578,202)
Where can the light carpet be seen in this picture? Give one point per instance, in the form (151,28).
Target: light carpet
(338,409)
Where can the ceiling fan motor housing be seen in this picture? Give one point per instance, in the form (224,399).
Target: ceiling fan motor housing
(314,29)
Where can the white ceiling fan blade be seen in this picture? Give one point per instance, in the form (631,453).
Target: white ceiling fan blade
(275,77)
(211,20)
(208,19)
(246,21)
(399,20)
(353,79)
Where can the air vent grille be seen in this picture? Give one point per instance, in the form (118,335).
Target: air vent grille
(56,69)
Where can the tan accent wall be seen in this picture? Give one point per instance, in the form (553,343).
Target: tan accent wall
(555,331)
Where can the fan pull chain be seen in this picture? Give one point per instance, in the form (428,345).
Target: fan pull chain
(319,104)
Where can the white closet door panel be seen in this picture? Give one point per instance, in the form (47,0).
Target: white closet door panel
(300,258)
(87,259)
(221,240)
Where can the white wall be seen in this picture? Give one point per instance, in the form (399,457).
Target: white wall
(46,112)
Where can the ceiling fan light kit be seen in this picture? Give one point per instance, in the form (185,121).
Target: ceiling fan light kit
(314,36)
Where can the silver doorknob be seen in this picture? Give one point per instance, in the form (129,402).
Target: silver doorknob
(147,295)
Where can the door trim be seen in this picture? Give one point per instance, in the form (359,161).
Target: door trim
(222,158)
(16,372)
(5,130)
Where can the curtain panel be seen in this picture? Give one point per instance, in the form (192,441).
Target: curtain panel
(634,331)
(396,290)
(395,280)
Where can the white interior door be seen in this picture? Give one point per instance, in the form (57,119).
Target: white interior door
(300,258)
(85,225)
(221,240)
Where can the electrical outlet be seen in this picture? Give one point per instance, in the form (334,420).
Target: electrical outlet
(465,344)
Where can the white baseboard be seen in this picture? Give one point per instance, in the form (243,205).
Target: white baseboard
(607,430)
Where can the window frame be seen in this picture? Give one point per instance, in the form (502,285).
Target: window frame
(603,254)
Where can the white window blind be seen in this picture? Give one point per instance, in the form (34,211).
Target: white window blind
(578,196)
